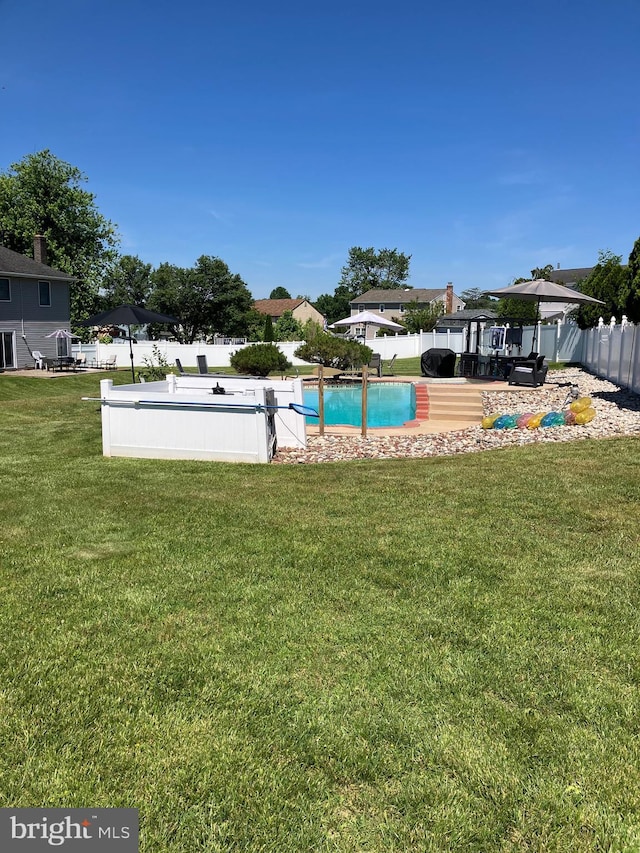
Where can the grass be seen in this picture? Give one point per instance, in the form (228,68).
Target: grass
(433,655)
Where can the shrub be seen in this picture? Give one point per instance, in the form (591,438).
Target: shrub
(323,348)
(155,368)
(259,360)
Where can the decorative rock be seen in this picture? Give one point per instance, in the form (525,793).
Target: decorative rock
(618,414)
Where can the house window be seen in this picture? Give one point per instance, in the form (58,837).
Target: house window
(360,308)
(459,308)
(5,290)
(44,291)
(402,309)
(381,308)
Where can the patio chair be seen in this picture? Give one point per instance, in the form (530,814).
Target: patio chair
(531,372)
(39,360)
(81,359)
(180,367)
(110,363)
(375,365)
(388,369)
(202,364)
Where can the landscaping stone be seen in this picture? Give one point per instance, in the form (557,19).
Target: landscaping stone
(618,414)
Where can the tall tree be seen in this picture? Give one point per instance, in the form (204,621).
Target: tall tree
(207,299)
(128,282)
(544,273)
(367,269)
(474,298)
(633,298)
(335,306)
(267,335)
(610,282)
(420,317)
(279,293)
(287,328)
(43,195)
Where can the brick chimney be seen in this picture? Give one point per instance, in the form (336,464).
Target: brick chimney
(448,299)
(40,249)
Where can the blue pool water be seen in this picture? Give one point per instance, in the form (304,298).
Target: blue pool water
(388,404)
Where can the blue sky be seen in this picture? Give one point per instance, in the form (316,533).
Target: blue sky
(481,138)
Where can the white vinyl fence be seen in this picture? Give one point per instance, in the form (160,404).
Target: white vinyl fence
(613,352)
(218,355)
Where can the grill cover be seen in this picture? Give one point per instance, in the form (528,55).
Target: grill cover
(438,362)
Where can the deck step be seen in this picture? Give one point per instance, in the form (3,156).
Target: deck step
(448,403)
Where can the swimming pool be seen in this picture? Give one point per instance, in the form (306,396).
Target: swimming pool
(388,404)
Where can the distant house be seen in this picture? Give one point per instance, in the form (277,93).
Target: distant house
(552,311)
(393,303)
(569,278)
(301,309)
(34,301)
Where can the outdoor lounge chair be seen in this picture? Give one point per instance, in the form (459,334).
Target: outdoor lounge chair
(110,363)
(180,367)
(531,372)
(202,364)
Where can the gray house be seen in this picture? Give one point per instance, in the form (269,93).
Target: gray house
(34,301)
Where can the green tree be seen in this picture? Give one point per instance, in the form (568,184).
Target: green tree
(279,293)
(610,282)
(44,195)
(207,298)
(544,273)
(633,299)
(128,282)
(288,328)
(517,309)
(323,348)
(367,269)
(474,297)
(419,316)
(335,306)
(267,335)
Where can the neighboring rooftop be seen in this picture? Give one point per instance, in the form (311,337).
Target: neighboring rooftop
(570,277)
(401,296)
(276,307)
(470,314)
(15,264)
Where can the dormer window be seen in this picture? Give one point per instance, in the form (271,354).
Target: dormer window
(44,294)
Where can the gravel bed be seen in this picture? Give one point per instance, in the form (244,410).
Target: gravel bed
(618,414)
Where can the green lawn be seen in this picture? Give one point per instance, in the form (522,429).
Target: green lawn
(428,655)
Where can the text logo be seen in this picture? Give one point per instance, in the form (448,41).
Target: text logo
(73,830)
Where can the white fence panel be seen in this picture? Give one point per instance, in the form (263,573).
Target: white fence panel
(614,353)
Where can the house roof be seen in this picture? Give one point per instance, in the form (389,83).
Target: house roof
(470,314)
(276,307)
(568,277)
(15,264)
(414,294)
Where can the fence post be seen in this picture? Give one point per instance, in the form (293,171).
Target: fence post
(320,400)
(365,383)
